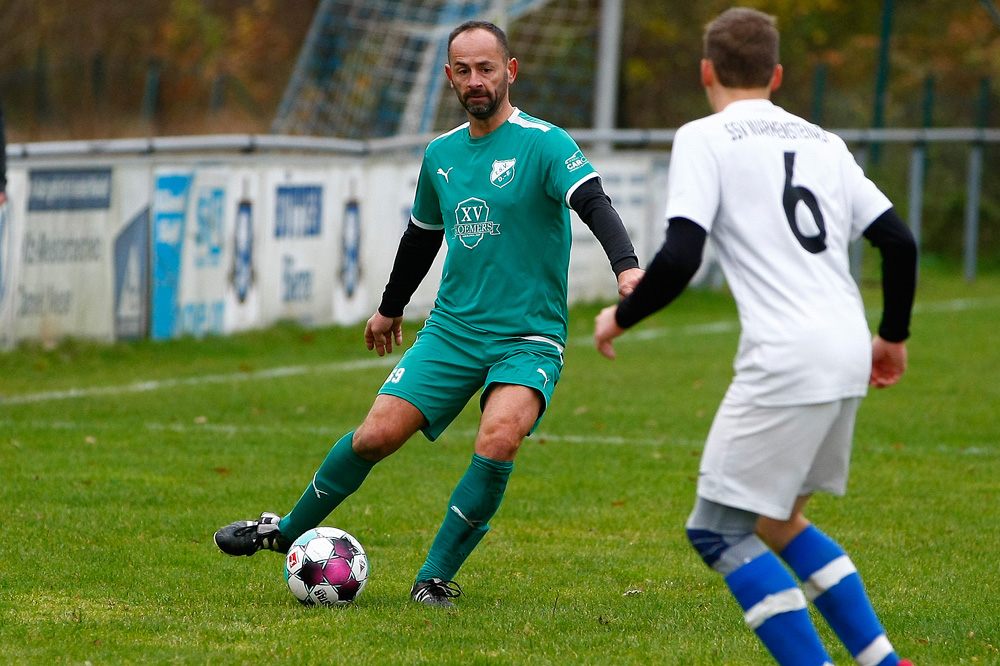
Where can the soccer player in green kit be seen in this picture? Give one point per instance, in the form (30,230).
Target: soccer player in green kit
(498,190)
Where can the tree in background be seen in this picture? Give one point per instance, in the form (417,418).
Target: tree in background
(956,42)
(86,68)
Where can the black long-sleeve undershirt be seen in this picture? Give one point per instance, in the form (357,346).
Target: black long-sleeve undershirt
(668,273)
(678,260)
(419,246)
(414,256)
(595,210)
(894,241)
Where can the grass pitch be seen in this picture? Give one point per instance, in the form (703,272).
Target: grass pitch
(118,463)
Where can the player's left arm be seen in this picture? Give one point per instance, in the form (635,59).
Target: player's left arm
(594,207)
(898,248)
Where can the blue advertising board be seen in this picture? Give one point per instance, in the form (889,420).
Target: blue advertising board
(170,200)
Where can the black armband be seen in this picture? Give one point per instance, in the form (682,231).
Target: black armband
(416,252)
(667,275)
(898,248)
(595,209)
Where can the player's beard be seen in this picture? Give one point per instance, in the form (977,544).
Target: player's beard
(484,107)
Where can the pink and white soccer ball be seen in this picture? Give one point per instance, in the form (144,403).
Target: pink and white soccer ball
(326,566)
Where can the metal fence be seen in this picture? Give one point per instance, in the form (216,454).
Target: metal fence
(974,140)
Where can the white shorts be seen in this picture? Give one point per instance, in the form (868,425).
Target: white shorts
(761,459)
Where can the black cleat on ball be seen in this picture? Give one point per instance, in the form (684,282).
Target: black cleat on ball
(246,537)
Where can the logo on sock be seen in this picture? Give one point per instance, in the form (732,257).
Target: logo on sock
(319,493)
(472,523)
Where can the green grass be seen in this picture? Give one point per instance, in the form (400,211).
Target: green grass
(110,499)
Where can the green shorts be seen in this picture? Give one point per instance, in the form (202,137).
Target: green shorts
(449,362)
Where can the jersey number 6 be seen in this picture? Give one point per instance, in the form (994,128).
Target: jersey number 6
(792,195)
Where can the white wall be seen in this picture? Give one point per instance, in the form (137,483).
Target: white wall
(163,246)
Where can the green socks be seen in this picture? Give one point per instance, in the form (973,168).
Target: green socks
(341,473)
(475,499)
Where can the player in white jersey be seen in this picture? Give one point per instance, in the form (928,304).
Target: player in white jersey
(781,200)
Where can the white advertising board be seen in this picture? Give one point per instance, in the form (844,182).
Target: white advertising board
(74,221)
(297,260)
(243,224)
(11,234)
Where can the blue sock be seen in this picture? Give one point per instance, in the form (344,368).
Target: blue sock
(775,608)
(475,499)
(833,585)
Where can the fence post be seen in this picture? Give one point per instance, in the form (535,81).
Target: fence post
(151,94)
(918,165)
(975,180)
(819,89)
(882,76)
(217,99)
(608,64)
(43,106)
(98,80)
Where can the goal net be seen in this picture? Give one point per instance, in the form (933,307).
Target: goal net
(375,68)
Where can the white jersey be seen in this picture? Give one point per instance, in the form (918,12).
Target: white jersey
(781,200)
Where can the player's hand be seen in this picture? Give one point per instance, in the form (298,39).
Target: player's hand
(628,279)
(888,362)
(381,331)
(3,197)
(606,329)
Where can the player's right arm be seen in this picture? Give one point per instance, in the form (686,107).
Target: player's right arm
(898,248)
(693,199)
(667,275)
(382,331)
(416,252)
(417,248)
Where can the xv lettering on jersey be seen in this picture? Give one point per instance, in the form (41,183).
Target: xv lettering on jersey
(503,172)
(472,222)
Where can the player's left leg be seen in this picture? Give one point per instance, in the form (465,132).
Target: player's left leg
(518,387)
(507,418)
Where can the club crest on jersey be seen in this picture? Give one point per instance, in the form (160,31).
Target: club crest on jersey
(576,161)
(503,172)
(472,222)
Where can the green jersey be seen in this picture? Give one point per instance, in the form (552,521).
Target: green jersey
(503,202)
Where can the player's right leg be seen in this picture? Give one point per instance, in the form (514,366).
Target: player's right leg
(389,424)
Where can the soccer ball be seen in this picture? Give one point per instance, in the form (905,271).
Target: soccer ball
(326,566)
